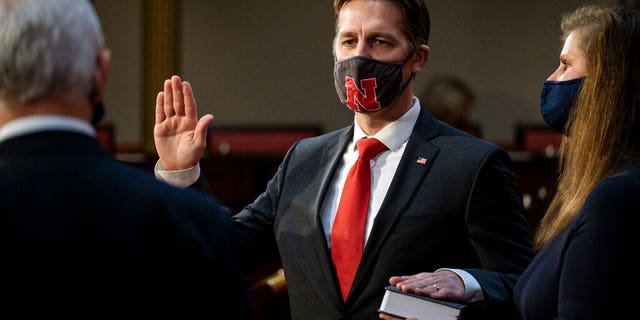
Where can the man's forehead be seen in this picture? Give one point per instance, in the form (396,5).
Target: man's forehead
(370,16)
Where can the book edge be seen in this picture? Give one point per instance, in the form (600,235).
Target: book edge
(455,305)
(391,314)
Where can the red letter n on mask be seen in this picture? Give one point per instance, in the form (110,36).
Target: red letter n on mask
(362,101)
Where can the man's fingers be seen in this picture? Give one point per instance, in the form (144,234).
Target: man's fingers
(190,107)
(168,99)
(178,98)
(160,116)
(201,129)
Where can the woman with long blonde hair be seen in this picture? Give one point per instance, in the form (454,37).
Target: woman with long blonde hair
(589,234)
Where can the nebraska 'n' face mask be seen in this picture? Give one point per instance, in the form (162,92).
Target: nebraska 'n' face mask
(366,84)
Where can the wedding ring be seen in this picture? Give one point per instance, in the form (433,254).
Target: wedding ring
(436,286)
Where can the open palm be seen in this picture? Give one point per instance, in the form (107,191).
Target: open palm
(179,136)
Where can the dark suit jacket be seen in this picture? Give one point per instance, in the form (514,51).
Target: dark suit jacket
(461,209)
(586,272)
(76,224)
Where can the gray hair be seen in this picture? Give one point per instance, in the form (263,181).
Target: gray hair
(48,47)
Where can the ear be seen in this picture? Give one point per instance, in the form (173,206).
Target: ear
(421,57)
(102,71)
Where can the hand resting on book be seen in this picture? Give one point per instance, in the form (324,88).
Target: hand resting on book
(443,284)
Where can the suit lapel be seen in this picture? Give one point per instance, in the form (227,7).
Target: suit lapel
(330,160)
(412,170)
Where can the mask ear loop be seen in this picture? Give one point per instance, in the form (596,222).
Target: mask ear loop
(413,75)
(98,108)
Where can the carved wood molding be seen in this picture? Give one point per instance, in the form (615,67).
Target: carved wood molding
(161,20)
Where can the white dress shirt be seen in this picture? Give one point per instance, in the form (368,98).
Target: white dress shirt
(383,167)
(31,124)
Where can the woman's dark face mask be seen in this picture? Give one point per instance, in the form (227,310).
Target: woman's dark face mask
(557,100)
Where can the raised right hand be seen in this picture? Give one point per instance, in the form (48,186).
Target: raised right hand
(179,136)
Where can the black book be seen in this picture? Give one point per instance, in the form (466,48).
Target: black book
(407,305)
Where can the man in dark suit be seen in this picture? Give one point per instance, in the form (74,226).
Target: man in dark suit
(440,198)
(76,226)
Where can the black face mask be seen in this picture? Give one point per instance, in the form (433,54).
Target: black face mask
(98,108)
(367,85)
(557,101)
(98,113)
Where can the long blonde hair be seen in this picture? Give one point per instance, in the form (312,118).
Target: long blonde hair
(603,132)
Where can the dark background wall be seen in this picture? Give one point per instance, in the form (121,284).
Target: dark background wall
(265,63)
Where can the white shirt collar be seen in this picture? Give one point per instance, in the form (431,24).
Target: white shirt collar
(38,123)
(397,132)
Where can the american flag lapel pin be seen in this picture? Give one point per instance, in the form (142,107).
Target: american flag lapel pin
(421,160)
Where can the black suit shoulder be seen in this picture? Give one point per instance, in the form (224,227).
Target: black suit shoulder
(75,218)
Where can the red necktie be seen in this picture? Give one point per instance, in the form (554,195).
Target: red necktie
(347,233)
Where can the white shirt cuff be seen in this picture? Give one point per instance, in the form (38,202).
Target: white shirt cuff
(472,289)
(177,178)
